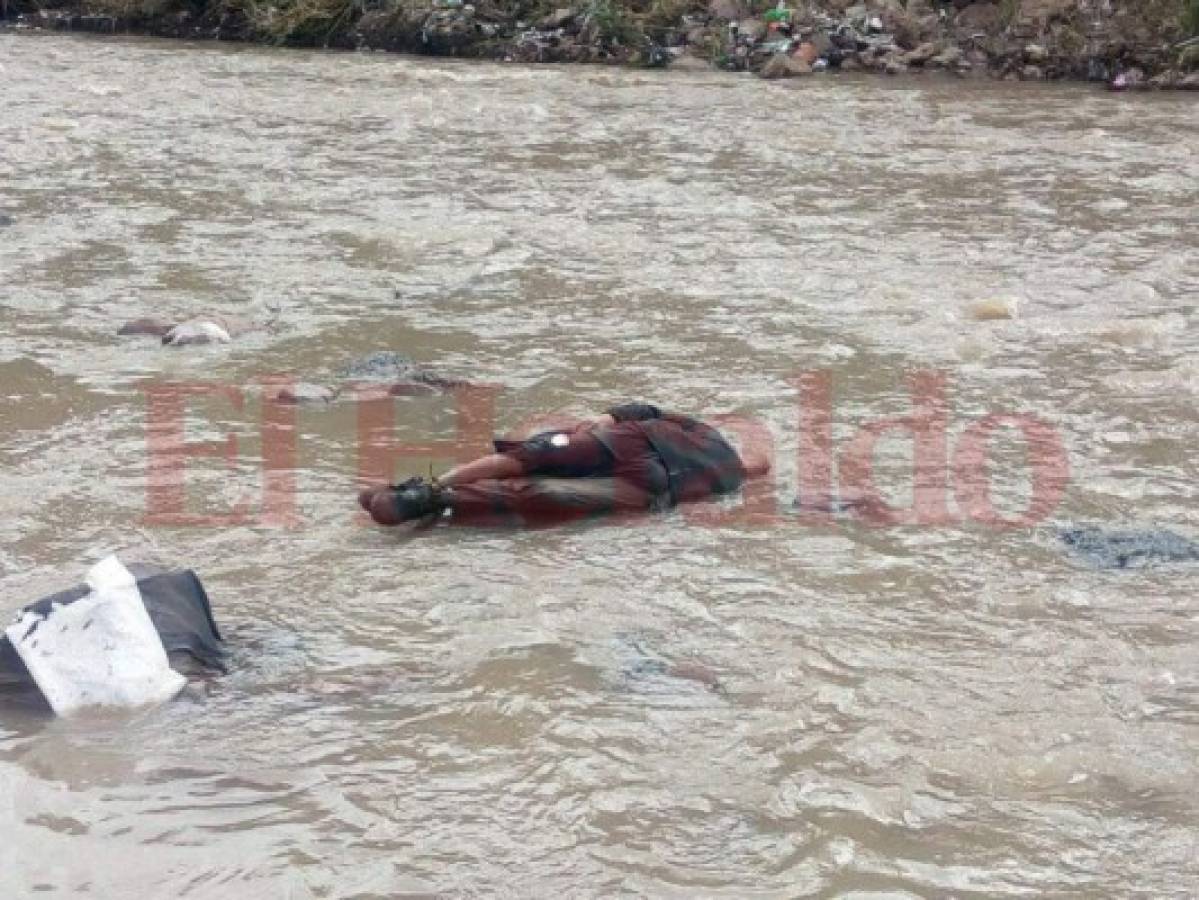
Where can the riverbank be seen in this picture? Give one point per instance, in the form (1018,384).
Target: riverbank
(1126,44)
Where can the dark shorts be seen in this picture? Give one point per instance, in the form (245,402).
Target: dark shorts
(621,451)
(569,476)
(561,454)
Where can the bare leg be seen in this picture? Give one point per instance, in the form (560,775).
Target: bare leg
(580,457)
(496,466)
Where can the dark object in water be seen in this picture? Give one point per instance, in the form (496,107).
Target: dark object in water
(1097,70)
(648,672)
(178,607)
(153,327)
(387,366)
(1129,549)
(393,373)
(5,220)
(382,365)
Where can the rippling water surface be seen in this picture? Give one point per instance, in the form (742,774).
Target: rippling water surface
(664,708)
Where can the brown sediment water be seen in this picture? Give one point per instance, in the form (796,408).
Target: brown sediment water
(664,708)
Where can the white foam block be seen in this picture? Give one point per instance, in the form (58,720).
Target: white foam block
(100,651)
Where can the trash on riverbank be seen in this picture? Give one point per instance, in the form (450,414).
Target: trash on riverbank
(1062,39)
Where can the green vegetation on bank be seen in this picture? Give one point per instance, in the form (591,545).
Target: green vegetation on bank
(1066,37)
(330,22)
(1190,18)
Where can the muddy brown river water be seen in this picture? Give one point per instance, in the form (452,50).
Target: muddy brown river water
(671,707)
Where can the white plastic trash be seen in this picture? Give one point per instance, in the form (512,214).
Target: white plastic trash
(100,651)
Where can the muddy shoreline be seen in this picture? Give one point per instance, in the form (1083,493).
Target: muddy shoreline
(1124,46)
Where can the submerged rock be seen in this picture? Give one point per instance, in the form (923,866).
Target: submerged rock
(1129,549)
(387,366)
(645,671)
(382,365)
(393,374)
(993,309)
(305,392)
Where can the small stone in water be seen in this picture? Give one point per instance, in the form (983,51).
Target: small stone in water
(306,393)
(992,310)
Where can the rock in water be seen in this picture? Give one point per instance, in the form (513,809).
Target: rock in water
(306,393)
(206,329)
(382,365)
(992,310)
(388,367)
(411,389)
(1130,549)
(153,327)
(644,671)
(197,331)
(383,373)
(783,66)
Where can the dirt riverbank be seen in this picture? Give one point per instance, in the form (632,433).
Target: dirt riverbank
(1126,44)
